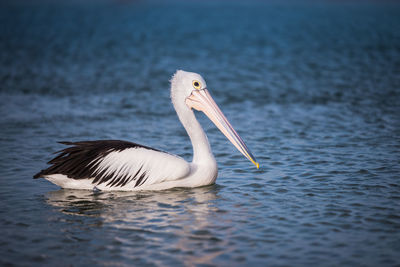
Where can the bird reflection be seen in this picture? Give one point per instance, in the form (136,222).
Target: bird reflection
(130,205)
(186,216)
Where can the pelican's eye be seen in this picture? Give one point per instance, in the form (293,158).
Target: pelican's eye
(196,85)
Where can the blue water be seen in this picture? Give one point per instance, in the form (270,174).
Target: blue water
(313,89)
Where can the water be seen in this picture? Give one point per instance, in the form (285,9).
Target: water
(313,89)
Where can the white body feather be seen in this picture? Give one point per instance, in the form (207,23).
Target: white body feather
(162,169)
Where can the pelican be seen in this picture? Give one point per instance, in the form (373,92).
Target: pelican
(126,166)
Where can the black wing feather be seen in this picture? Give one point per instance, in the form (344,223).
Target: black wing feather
(78,161)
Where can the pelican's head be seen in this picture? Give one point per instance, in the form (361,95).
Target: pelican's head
(189,90)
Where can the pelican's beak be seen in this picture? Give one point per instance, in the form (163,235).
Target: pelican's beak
(201,100)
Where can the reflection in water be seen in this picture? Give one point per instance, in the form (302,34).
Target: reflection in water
(177,220)
(76,202)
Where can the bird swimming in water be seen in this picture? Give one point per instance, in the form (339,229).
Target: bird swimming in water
(126,166)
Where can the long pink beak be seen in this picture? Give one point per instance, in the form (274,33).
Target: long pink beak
(201,100)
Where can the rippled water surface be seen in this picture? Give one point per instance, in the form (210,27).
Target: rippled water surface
(312,89)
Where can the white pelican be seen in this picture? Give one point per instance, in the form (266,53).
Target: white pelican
(121,165)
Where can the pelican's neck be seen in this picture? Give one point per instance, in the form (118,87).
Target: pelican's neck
(201,147)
